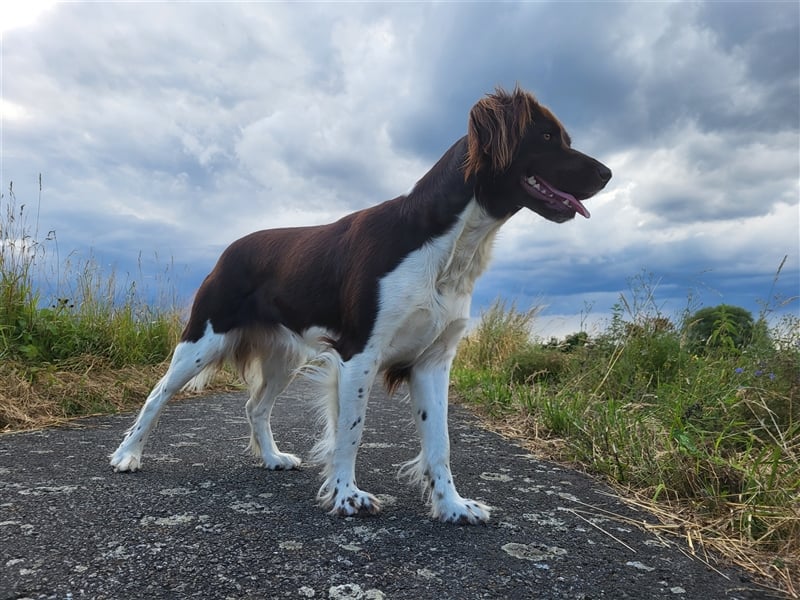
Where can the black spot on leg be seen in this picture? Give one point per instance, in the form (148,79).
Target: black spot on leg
(337,481)
(366,372)
(360,390)
(347,485)
(424,415)
(433,483)
(440,496)
(355,423)
(335,492)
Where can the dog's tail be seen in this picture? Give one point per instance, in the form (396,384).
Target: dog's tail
(323,372)
(201,381)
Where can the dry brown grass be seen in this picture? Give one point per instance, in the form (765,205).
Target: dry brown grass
(31,398)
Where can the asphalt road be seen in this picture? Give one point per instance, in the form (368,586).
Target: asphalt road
(203,520)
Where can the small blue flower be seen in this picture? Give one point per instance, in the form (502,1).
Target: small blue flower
(772,376)
(738,370)
(759,373)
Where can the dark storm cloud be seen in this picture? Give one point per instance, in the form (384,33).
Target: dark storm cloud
(551,50)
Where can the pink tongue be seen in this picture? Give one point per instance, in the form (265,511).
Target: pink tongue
(575,203)
(572,200)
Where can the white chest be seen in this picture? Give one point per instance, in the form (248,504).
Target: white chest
(432,288)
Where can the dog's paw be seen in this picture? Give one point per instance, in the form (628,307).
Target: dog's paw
(125,461)
(281,461)
(461,511)
(352,502)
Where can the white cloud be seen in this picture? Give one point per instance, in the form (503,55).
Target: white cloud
(11,112)
(697,176)
(15,15)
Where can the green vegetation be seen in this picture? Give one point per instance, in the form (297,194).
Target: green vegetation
(701,416)
(94,346)
(720,327)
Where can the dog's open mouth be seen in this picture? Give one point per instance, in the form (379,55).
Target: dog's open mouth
(554,198)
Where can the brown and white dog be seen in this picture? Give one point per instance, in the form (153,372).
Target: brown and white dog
(385,290)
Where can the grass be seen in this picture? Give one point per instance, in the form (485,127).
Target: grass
(704,432)
(94,345)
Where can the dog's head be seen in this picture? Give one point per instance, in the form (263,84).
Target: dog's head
(521,156)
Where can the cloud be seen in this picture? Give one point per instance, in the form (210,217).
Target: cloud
(21,15)
(695,176)
(173,129)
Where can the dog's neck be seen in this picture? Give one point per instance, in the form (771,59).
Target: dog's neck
(443,200)
(471,250)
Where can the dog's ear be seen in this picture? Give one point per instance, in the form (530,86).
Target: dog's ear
(496,126)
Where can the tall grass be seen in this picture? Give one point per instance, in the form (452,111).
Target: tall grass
(90,345)
(712,431)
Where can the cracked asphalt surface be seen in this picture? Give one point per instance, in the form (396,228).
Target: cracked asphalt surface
(203,520)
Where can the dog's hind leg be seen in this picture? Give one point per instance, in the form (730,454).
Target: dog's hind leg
(275,376)
(428,385)
(188,360)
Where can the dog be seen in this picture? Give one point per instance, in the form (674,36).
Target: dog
(384,290)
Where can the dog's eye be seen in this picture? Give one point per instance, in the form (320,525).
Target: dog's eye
(546,137)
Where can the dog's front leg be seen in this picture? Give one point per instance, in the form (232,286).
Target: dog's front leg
(428,386)
(339,491)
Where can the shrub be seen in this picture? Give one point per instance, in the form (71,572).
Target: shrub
(501,333)
(535,363)
(722,327)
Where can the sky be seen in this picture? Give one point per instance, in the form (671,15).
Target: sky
(164,131)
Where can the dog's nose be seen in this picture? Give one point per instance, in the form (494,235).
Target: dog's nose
(604,172)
